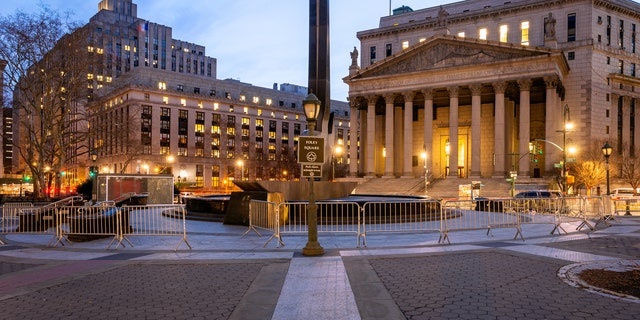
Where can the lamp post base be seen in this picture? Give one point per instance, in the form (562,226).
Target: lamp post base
(313,248)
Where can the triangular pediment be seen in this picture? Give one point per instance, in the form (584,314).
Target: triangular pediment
(444,52)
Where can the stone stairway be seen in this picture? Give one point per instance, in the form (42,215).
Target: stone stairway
(442,188)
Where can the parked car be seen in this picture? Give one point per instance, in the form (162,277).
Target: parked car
(539,194)
(623,193)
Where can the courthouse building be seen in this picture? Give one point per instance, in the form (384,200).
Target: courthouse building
(156,106)
(476,85)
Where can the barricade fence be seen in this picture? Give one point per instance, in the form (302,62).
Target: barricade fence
(442,216)
(70,223)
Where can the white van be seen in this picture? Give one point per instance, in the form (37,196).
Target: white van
(623,193)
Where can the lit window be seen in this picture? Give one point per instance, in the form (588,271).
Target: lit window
(216,106)
(100,51)
(422,40)
(200,104)
(185,49)
(285,117)
(243,97)
(109,79)
(461,34)
(503,33)
(89,76)
(482,34)
(269,101)
(165,100)
(256,99)
(127,47)
(259,112)
(273,114)
(183,102)
(405,44)
(100,77)
(90,49)
(162,85)
(524,26)
(245,110)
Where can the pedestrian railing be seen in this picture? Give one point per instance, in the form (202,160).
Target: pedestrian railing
(626,206)
(413,215)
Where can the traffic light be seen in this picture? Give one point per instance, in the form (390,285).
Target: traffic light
(92,171)
(26,178)
(535,158)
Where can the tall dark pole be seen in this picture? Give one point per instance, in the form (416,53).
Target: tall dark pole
(319,75)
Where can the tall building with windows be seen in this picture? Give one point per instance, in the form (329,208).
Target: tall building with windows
(478,84)
(156,106)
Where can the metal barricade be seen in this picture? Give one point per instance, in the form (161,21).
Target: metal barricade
(463,215)
(401,216)
(332,217)
(626,206)
(88,223)
(264,215)
(10,216)
(153,220)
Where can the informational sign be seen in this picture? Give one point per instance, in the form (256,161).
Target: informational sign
(311,150)
(311,170)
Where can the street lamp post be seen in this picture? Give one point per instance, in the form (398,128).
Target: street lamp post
(311,106)
(606,151)
(566,117)
(426,172)
(337,152)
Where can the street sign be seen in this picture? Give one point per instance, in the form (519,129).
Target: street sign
(311,170)
(311,150)
(557,165)
(571,159)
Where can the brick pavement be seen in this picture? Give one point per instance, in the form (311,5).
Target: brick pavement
(492,284)
(166,290)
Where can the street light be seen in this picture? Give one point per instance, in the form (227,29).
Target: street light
(311,106)
(568,125)
(426,181)
(606,151)
(337,152)
(168,159)
(241,165)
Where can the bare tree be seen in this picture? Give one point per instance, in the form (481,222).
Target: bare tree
(590,169)
(627,163)
(47,72)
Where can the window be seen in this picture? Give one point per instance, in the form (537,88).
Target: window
(482,34)
(405,45)
(633,70)
(571,55)
(461,34)
(503,33)
(389,50)
(524,35)
(571,27)
(162,85)
(620,67)
(633,38)
(372,54)
(165,100)
(608,30)
(621,35)
(180,87)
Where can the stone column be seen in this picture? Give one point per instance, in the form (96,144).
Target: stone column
(499,145)
(407,167)
(428,126)
(525,127)
(362,152)
(636,118)
(453,131)
(626,123)
(354,128)
(369,162)
(476,108)
(553,123)
(388,136)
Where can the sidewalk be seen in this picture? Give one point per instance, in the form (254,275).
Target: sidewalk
(397,276)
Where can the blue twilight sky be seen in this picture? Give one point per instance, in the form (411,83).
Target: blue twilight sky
(261,42)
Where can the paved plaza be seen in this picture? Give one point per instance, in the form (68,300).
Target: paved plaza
(397,276)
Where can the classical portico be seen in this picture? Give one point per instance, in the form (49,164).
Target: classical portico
(472,105)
